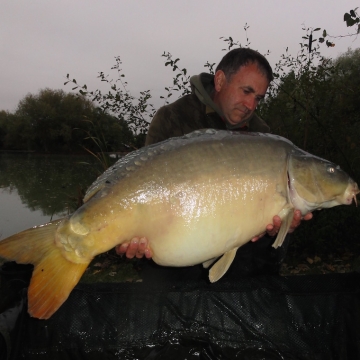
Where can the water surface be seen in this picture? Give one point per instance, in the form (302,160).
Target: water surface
(37,188)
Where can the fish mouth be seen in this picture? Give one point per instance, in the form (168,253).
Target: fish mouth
(353,192)
(356,191)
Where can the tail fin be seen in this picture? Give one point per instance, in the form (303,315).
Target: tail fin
(53,277)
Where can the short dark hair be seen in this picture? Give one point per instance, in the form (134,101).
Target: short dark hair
(236,58)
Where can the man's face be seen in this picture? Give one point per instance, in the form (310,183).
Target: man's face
(239,97)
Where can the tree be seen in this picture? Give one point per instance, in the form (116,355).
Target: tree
(3,120)
(16,133)
(352,19)
(55,121)
(118,102)
(52,115)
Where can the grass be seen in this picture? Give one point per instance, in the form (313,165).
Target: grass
(110,267)
(340,261)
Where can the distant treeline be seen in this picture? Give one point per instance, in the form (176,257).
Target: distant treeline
(55,121)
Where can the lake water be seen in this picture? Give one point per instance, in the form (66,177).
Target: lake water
(37,188)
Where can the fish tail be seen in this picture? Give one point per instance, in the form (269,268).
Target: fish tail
(53,277)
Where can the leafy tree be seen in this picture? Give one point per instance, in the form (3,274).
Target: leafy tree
(54,121)
(344,110)
(3,120)
(136,112)
(52,114)
(16,132)
(352,19)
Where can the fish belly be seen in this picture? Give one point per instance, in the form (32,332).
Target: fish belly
(220,225)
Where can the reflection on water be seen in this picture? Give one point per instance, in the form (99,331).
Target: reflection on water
(36,188)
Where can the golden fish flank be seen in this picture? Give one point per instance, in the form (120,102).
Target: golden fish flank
(196,198)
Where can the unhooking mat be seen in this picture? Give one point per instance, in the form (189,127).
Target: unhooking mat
(260,317)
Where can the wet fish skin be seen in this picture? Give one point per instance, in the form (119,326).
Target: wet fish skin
(195,198)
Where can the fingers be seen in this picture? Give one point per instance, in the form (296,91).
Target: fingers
(273,229)
(256,238)
(308,216)
(137,247)
(121,249)
(143,249)
(297,219)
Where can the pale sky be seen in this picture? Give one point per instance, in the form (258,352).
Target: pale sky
(43,40)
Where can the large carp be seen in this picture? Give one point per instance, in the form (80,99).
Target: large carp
(196,198)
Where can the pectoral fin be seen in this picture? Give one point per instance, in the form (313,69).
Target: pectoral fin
(284,228)
(222,265)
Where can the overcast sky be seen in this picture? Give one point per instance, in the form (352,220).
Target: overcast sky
(43,40)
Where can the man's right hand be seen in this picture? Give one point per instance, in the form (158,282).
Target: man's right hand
(137,247)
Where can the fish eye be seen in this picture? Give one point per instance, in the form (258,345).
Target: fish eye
(330,169)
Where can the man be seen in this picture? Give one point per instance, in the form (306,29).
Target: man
(226,100)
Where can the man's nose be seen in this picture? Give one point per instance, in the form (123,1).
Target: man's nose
(251,103)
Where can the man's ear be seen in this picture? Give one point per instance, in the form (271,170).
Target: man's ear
(219,80)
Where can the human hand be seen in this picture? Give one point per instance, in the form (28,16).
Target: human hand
(137,247)
(273,229)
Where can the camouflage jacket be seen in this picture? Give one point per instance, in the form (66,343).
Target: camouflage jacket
(195,111)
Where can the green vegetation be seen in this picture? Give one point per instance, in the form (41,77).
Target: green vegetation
(110,267)
(55,121)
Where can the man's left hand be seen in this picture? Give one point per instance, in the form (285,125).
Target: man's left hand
(273,229)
